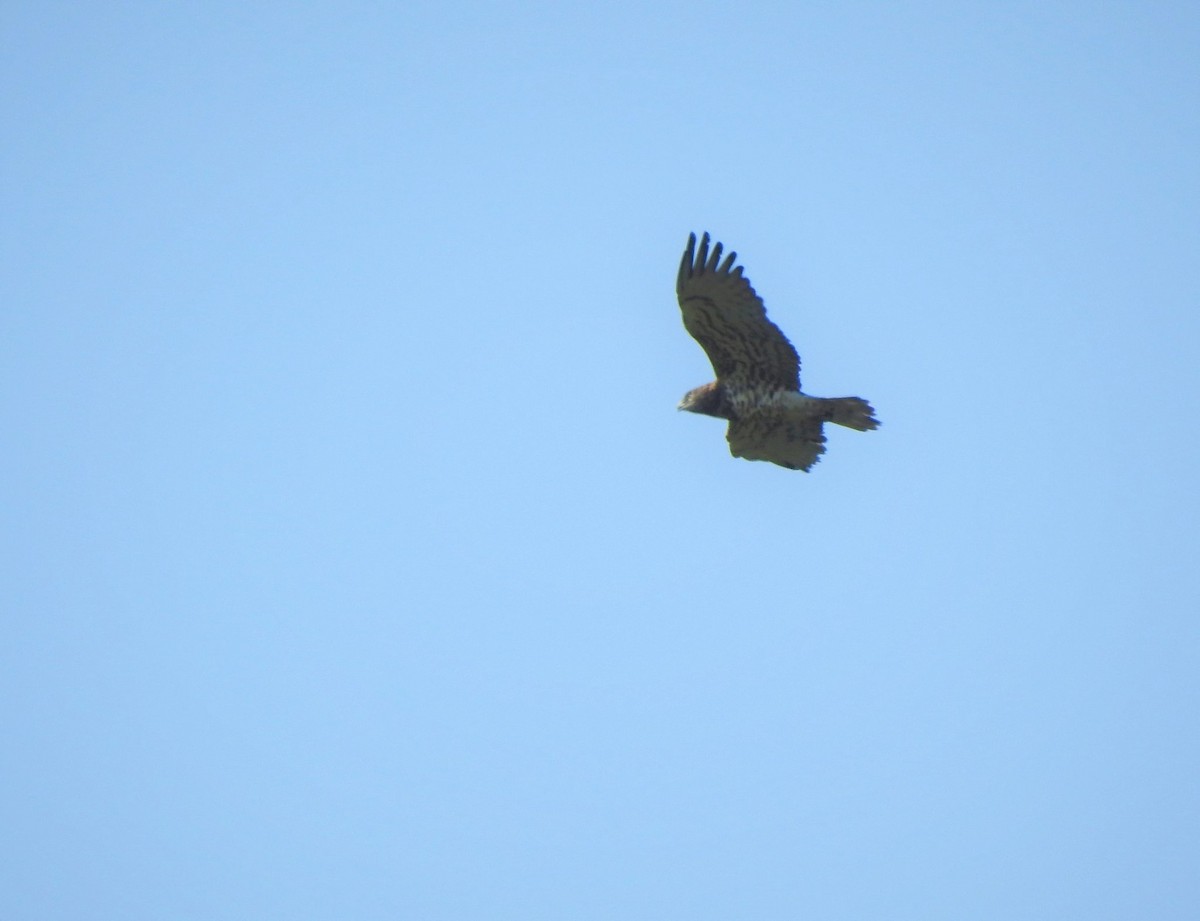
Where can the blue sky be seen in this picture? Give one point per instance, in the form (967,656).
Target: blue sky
(357,564)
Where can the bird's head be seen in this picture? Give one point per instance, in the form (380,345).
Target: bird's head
(708,400)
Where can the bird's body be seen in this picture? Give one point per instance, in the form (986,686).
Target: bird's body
(758,371)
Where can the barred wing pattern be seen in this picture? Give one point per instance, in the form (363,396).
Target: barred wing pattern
(723,314)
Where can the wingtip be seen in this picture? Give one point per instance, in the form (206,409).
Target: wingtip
(698,260)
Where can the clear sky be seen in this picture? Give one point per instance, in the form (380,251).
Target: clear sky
(356,563)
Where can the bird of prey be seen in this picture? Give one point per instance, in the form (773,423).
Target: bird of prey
(758,371)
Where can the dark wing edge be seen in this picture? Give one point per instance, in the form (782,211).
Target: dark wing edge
(723,313)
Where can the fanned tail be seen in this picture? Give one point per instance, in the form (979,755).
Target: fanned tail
(852,412)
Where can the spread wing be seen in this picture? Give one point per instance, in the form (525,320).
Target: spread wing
(771,435)
(728,319)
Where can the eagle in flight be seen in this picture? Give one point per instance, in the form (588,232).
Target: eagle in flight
(758,371)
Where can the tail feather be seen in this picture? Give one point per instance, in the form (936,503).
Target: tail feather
(852,412)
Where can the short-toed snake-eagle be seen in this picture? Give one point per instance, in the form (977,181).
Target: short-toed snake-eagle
(758,371)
